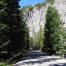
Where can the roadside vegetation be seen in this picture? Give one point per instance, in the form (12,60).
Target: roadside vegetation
(15,41)
(36,41)
(54,33)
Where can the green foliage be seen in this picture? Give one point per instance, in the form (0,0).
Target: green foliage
(51,1)
(26,38)
(25,32)
(40,37)
(5,64)
(4,30)
(31,42)
(53,42)
(37,40)
(14,33)
(23,9)
(30,8)
(40,5)
(26,9)
(13,22)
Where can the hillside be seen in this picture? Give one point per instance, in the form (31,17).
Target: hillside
(36,16)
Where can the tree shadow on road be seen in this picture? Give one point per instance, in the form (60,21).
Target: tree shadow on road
(37,57)
(34,55)
(40,61)
(61,64)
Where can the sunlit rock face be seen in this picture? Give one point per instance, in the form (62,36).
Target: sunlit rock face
(36,17)
(61,7)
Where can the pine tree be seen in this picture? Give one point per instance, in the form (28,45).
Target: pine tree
(26,38)
(14,32)
(2,25)
(13,21)
(4,31)
(53,41)
(25,31)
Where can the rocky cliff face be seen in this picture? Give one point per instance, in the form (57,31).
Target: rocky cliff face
(36,17)
(60,5)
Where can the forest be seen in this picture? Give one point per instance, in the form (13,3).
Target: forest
(15,40)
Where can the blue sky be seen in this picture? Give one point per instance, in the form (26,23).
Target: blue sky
(24,3)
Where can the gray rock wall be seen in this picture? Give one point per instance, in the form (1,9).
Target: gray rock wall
(36,17)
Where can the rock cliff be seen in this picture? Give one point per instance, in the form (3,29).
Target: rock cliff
(36,17)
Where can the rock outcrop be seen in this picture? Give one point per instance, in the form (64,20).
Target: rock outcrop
(36,17)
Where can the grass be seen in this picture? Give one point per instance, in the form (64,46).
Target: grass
(5,64)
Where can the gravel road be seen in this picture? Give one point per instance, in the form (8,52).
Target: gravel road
(37,58)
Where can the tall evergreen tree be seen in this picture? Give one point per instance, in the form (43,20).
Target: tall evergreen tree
(4,30)
(3,26)
(26,38)
(14,32)
(53,41)
(25,30)
(13,21)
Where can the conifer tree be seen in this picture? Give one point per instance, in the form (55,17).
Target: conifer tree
(3,26)
(13,21)
(53,41)
(4,31)
(25,31)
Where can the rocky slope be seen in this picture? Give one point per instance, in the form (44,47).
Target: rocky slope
(36,17)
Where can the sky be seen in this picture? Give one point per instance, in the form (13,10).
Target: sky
(24,3)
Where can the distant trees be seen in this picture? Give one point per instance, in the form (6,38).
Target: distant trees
(36,42)
(53,41)
(51,2)
(40,5)
(40,37)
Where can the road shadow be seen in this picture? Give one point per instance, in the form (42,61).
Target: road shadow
(61,64)
(34,57)
(40,61)
(38,57)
